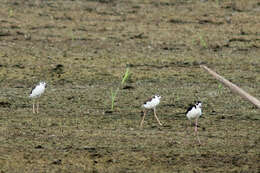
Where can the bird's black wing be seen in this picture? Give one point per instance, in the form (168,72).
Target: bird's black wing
(190,108)
(150,99)
(33,89)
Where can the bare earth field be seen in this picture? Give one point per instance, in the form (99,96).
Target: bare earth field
(81,48)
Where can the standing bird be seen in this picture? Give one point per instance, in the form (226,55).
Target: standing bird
(194,112)
(36,92)
(151,104)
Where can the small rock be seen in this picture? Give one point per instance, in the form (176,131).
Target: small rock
(38,147)
(57,162)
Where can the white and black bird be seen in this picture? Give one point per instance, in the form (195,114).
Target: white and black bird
(36,92)
(194,112)
(151,104)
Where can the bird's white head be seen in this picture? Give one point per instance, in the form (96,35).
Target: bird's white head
(198,104)
(44,84)
(158,97)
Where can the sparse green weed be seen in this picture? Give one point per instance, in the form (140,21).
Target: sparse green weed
(202,42)
(114,93)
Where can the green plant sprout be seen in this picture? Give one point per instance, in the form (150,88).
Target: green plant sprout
(11,13)
(220,86)
(114,93)
(217,2)
(203,42)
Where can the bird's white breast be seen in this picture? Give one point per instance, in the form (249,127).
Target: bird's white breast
(194,113)
(151,104)
(38,90)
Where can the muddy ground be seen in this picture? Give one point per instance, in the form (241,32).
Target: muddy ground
(81,48)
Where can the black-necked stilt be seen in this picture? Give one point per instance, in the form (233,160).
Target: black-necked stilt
(151,104)
(36,92)
(194,112)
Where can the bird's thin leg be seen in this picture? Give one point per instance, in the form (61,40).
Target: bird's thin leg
(157,117)
(196,126)
(196,130)
(37,107)
(141,124)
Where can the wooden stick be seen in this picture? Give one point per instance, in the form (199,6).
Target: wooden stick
(233,87)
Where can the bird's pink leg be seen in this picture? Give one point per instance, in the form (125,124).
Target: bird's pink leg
(157,117)
(141,124)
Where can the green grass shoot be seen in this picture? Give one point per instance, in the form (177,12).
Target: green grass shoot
(115,92)
(126,76)
(203,42)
